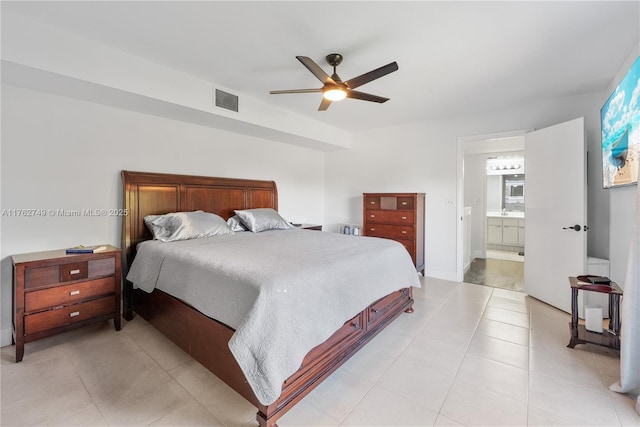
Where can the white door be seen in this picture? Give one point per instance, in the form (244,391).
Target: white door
(555,159)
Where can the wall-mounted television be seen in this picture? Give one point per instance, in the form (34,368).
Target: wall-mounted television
(620,122)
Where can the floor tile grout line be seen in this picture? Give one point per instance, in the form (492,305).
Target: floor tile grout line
(463,357)
(414,337)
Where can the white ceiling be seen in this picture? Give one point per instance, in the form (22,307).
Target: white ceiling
(454,57)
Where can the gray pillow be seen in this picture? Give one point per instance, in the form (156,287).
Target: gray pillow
(186,225)
(262,219)
(235,224)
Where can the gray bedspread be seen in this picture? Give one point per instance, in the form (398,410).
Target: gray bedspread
(283,291)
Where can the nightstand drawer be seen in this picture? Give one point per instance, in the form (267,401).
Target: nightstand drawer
(51,319)
(78,270)
(392,231)
(74,271)
(390,217)
(67,294)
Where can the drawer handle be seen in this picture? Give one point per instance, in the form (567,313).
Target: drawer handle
(404,203)
(356,325)
(404,217)
(404,291)
(375,310)
(372,229)
(72,293)
(74,314)
(373,203)
(76,271)
(372,216)
(404,231)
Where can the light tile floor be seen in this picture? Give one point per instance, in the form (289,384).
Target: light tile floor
(468,355)
(498,273)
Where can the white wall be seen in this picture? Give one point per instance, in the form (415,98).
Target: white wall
(421,157)
(622,206)
(61,153)
(475,190)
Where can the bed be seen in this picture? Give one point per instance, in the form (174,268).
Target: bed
(208,339)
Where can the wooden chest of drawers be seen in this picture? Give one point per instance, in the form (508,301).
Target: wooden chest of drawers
(54,292)
(397,216)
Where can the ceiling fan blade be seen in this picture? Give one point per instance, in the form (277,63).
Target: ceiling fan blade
(372,75)
(315,69)
(276,92)
(324,104)
(354,94)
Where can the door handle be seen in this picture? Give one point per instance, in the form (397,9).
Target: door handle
(575,227)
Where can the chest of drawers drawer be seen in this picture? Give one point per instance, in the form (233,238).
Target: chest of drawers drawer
(390,217)
(55,292)
(392,231)
(389,202)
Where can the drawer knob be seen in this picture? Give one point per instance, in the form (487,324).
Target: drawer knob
(373,216)
(356,325)
(74,314)
(76,271)
(375,310)
(76,292)
(404,217)
(404,231)
(404,203)
(373,203)
(372,229)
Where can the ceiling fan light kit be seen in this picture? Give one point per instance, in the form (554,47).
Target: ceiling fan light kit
(334,93)
(334,89)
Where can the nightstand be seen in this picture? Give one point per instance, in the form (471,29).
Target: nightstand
(579,333)
(317,227)
(54,292)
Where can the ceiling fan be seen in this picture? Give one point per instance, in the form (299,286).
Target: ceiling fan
(334,89)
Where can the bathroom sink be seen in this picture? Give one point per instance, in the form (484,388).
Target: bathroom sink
(507,214)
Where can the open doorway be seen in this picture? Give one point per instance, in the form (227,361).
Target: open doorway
(492,197)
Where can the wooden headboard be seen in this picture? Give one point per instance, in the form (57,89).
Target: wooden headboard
(159,193)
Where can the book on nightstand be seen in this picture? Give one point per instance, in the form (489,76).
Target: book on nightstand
(80,249)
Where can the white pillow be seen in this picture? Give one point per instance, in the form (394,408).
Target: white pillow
(186,225)
(262,219)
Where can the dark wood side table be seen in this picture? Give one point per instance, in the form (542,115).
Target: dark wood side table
(54,292)
(579,334)
(316,227)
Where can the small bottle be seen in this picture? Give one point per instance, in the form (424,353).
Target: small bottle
(346,230)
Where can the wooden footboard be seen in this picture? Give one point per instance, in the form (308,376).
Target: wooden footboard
(206,340)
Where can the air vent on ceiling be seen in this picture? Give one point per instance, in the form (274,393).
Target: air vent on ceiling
(226,100)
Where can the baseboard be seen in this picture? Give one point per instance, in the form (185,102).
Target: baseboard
(6,337)
(440,274)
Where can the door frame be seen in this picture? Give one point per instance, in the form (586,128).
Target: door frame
(496,142)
